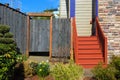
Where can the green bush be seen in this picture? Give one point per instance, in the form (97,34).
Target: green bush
(34,65)
(4,29)
(20,58)
(69,71)
(115,62)
(9,35)
(28,70)
(43,69)
(7,40)
(7,54)
(1,35)
(101,73)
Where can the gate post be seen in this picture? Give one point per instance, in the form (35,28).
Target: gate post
(28,35)
(50,55)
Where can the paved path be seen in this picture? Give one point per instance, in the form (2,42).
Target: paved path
(38,58)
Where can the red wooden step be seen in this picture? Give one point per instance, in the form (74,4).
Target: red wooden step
(87,38)
(90,56)
(88,47)
(90,61)
(89,51)
(88,42)
(90,65)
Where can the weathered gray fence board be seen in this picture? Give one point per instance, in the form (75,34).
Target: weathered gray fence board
(39,36)
(61,38)
(18,25)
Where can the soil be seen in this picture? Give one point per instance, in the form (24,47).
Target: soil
(51,78)
(89,78)
(37,78)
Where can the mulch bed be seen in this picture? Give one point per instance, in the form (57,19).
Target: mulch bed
(89,78)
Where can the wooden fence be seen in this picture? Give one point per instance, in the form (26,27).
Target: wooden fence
(18,24)
(61,37)
(39,32)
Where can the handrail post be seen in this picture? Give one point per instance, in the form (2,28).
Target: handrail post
(102,39)
(105,51)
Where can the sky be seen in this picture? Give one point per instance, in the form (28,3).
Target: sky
(38,5)
(33,5)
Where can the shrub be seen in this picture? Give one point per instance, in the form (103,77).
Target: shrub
(115,62)
(9,35)
(4,29)
(1,35)
(34,65)
(7,40)
(101,73)
(69,71)
(28,70)
(20,58)
(43,69)
(7,54)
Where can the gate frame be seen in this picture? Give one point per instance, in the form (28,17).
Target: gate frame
(28,30)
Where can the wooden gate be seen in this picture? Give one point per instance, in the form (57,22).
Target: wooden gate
(39,35)
(56,42)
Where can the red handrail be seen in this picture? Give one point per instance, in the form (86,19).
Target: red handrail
(75,39)
(102,39)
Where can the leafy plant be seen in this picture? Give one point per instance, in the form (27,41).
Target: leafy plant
(69,71)
(7,54)
(34,65)
(101,73)
(28,70)
(43,69)
(115,62)
(20,58)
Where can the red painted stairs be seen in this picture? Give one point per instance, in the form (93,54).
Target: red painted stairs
(89,52)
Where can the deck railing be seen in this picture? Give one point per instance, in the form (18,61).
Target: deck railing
(102,39)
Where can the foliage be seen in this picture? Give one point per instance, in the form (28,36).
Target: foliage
(7,54)
(43,69)
(101,73)
(115,62)
(4,29)
(9,35)
(34,65)
(111,72)
(69,71)
(20,58)
(1,35)
(28,70)
(7,40)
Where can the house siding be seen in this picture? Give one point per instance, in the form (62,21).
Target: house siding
(64,8)
(109,17)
